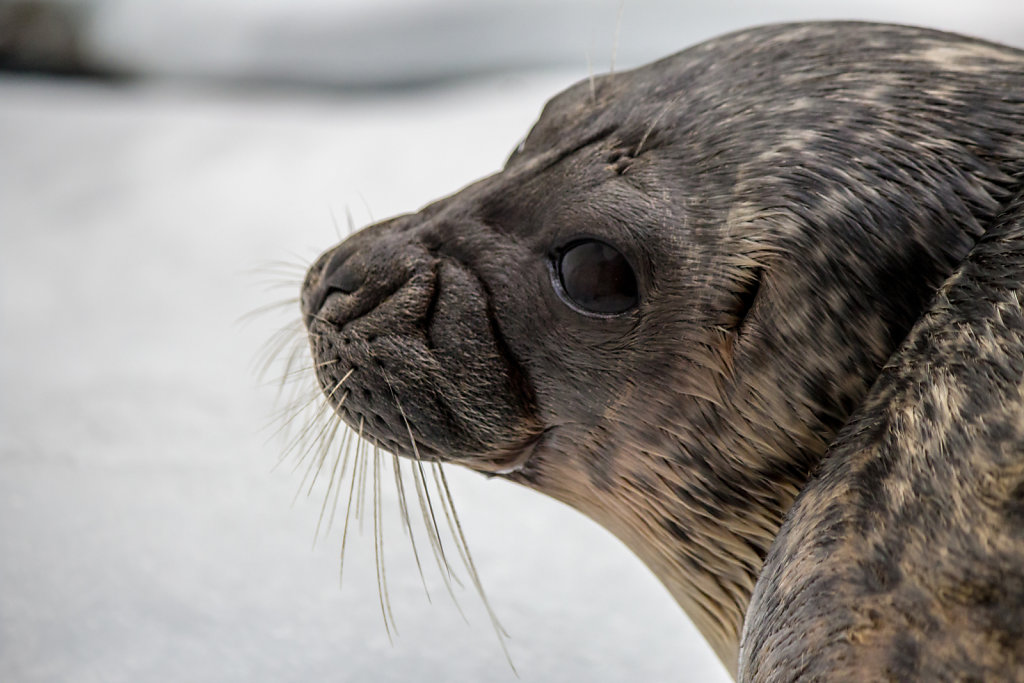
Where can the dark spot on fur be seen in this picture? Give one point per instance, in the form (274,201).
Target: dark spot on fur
(881,575)
(912,270)
(928,407)
(828,419)
(904,658)
(832,526)
(1015,507)
(712,502)
(881,569)
(600,467)
(677,531)
(1004,613)
(781,470)
(976,403)
(873,498)
(975,591)
(643,481)
(1001,431)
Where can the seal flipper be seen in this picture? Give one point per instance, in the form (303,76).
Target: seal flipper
(904,558)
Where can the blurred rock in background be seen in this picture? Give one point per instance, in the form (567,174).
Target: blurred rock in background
(42,36)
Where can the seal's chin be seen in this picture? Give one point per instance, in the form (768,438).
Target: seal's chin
(408,354)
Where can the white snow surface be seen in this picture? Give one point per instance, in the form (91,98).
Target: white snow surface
(143,533)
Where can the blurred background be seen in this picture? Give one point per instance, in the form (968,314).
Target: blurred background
(158,160)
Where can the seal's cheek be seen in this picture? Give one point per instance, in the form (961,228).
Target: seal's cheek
(482,384)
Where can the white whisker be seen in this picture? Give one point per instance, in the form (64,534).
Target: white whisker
(330,482)
(299,265)
(317,442)
(474,575)
(345,444)
(404,509)
(618,30)
(426,506)
(590,79)
(324,440)
(361,493)
(290,302)
(449,512)
(272,349)
(334,222)
(378,549)
(296,444)
(318,462)
(348,509)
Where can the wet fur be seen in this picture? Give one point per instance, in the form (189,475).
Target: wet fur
(791,198)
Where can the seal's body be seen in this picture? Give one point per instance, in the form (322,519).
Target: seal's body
(903,559)
(681,285)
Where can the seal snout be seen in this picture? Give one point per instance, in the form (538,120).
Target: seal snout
(352,279)
(409,351)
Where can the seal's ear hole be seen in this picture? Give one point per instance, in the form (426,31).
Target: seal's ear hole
(594,277)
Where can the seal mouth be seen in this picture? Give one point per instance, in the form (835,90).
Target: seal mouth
(509,460)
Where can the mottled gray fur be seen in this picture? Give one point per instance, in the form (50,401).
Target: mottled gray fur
(790,198)
(904,558)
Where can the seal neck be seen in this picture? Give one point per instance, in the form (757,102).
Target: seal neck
(703,532)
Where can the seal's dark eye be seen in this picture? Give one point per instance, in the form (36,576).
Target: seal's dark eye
(596,278)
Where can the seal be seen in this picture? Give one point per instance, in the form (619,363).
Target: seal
(680,287)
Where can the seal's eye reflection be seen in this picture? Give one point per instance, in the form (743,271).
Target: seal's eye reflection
(594,277)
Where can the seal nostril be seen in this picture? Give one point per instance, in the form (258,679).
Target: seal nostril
(343,273)
(345,280)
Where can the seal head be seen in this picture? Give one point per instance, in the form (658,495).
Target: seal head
(681,284)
